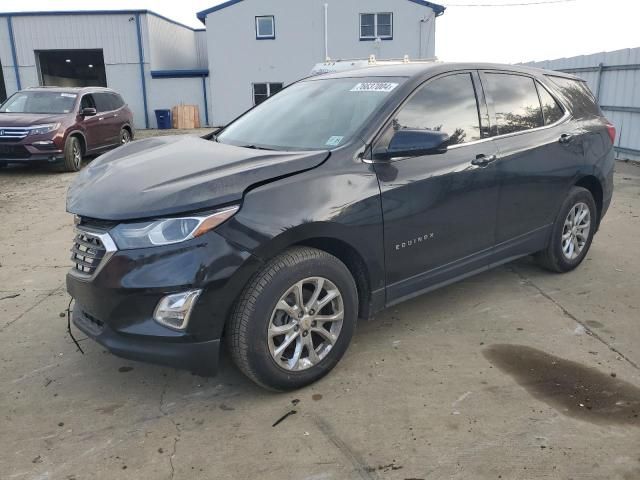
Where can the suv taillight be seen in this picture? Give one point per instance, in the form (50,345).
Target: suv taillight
(611,130)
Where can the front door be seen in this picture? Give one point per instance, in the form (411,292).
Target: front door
(439,209)
(90,124)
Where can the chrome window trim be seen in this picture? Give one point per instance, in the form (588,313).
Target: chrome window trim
(109,246)
(565,118)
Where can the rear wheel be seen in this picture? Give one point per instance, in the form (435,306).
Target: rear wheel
(72,155)
(294,320)
(572,232)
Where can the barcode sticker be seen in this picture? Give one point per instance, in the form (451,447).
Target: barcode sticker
(68,95)
(384,87)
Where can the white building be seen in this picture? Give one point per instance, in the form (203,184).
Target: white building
(261,45)
(250,49)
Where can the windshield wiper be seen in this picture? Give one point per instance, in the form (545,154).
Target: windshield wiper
(255,147)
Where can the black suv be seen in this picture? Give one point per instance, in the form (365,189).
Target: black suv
(339,196)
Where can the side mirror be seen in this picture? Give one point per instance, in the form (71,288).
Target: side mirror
(414,143)
(88,112)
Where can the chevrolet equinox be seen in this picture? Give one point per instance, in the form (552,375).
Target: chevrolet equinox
(339,196)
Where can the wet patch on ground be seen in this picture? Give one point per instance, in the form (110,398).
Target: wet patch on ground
(570,387)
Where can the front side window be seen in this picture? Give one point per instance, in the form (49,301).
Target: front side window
(265,27)
(376,25)
(262,91)
(316,114)
(39,102)
(447,104)
(516,102)
(87,102)
(551,111)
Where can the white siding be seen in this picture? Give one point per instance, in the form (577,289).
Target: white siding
(201,49)
(618,88)
(114,34)
(165,93)
(237,59)
(173,47)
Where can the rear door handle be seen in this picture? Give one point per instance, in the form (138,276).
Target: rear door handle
(566,138)
(483,160)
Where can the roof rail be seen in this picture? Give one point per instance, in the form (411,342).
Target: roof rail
(341,65)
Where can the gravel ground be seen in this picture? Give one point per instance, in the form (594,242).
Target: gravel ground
(513,374)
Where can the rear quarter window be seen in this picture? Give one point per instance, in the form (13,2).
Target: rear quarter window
(577,96)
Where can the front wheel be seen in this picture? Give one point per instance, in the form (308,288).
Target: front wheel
(72,155)
(572,232)
(294,320)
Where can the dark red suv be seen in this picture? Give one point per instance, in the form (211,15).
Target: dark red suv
(62,125)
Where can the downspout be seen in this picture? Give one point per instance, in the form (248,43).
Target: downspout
(14,55)
(142,76)
(206,102)
(326,31)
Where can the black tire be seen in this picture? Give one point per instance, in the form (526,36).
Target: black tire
(125,136)
(72,155)
(247,332)
(553,258)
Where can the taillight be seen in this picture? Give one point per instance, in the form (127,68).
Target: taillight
(611,130)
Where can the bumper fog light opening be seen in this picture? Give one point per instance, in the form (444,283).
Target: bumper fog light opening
(173,311)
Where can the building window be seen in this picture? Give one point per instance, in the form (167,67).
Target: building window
(262,91)
(265,28)
(376,25)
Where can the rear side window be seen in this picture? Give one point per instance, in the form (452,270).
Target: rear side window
(551,111)
(577,95)
(516,102)
(103,102)
(116,101)
(447,104)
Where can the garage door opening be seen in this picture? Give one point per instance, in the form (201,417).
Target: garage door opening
(3,90)
(71,68)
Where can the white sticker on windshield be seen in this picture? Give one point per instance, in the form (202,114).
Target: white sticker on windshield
(383,87)
(68,95)
(334,141)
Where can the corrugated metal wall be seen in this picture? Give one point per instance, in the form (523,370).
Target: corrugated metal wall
(614,77)
(166,45)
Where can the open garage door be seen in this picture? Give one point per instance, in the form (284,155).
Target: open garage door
(71,68)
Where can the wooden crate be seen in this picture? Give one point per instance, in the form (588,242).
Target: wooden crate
(185,116)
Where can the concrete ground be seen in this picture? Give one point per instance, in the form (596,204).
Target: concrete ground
(513,374)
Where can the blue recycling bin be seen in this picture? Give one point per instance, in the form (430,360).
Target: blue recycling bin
(163,117)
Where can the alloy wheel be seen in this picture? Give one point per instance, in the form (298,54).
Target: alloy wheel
(77,155)
(576,229)
(305,324)
(125,137)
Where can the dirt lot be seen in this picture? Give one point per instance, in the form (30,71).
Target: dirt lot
(513,374)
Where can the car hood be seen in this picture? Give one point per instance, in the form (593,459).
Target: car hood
(176,174)
(28,119)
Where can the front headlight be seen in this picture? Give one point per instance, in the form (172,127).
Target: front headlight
(44,129)
(168,230)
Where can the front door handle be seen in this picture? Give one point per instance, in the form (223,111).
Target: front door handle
(483,160)
(566,138)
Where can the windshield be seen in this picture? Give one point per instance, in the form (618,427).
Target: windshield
(311,115)
(39,102)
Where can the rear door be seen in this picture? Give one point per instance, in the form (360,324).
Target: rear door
(439,209)
(107,116)
(540,152)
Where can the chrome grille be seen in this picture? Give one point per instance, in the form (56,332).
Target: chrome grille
(13,133)
(87,253)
